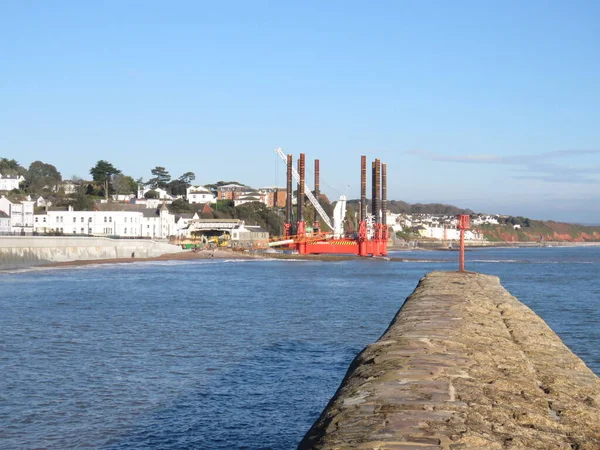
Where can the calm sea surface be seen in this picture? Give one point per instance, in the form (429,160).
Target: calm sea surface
(229,354)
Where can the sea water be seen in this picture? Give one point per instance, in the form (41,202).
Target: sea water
(229,354)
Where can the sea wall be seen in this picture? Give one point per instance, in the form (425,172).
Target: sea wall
(464,365)
(21,251)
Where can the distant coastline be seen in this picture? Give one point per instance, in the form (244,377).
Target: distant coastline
(453,245)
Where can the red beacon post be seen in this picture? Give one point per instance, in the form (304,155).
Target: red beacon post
(464,223)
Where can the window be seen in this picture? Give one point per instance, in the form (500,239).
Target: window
(104,219)
(74,219)
(74,230)
(89,219)
(125,220)
(110,219)
(125,231)
(44,219)
(82,231)
(82,220)
(36,219)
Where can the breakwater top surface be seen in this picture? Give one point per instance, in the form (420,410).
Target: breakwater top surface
(463,365)
(229,354)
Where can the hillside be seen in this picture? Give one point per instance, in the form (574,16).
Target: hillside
(541,231)
(400,207)
(530,230)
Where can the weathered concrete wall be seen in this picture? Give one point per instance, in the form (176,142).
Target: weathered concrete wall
(464,365)
(18,251)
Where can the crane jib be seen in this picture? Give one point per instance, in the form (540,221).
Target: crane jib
(308,193)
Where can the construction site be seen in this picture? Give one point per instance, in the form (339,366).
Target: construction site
(372,235)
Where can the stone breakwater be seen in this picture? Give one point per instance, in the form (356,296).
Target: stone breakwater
(464,365)
(19,251)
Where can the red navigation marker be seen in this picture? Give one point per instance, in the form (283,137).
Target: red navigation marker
(464,223)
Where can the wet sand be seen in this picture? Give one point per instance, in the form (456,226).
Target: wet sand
(230,254)
(183,256)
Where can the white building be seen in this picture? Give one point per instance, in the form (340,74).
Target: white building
(162,194)
(109,220)
(4,222)
(20,213)
(41,202)
(449,234)
(485,219)
(200,194)
(248,198)
(122,197)
(393,220)
(241,235)
(10,182)
(183,223)
(103,223)
(148,202)
(70,187)
(249,236)
(161,224)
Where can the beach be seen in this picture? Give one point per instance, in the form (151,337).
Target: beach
(229,254)
(183,256)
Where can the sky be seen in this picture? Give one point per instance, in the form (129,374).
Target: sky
(488,105)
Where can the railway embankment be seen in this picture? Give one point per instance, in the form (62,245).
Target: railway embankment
(463,365)
(24,251)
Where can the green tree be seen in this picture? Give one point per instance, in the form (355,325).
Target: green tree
(42,176)
(161,178)
(224,203)
(177,187)
(180,206)
(82,201)
(187,178)
(123,184)
(90,190)
(180,185)
(258,213)
(151,194)
(103,172)
(11,167)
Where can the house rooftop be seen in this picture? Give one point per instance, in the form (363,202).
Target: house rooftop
(194,189)
(16,198)
(217,220)
(250,197)
(255,228)
(127,207)
(225,186)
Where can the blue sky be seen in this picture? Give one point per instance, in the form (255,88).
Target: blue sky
(492,105)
